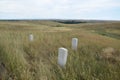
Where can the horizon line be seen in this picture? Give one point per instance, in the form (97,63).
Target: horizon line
(60,19)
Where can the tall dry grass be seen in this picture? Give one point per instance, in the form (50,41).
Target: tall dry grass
(37,60)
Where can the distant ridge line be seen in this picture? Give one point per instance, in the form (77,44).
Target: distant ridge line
(63,20)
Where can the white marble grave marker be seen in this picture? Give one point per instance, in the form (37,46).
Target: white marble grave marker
(62,56)
(74,43)
(31,37)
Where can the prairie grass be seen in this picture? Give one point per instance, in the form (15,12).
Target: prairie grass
(37,60)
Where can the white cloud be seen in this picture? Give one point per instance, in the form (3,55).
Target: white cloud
(54,8)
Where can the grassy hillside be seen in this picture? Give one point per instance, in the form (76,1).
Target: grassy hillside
(97,56)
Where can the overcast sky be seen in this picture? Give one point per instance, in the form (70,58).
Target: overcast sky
(60,9)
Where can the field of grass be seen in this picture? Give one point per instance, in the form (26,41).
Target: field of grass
(97,56)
